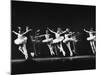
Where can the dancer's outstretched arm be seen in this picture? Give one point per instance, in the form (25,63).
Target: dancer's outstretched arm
(71,33)
(15,32)
(26,31)
(86,31)
(64,31)
(51,31)
(41,35)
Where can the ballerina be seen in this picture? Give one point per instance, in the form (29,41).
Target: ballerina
(68,40)
(21,41)
(74,41)
(58,40)
(35,40)
(92,39)
(48,40)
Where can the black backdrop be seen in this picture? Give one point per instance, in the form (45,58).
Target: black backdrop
(41,15)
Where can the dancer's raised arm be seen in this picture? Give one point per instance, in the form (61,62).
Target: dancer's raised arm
(27,30)
(15,32)
(51,30)
(64,31)
(86,31)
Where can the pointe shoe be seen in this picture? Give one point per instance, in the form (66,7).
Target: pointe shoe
(71,54)
(64,53)
(26,57)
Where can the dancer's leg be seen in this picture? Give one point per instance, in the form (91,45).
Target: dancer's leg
(62,50)
(74,49)
(25,51)
(51,50)
(35,53)
(93,47)
(68,45)
(55,48)
(91,43)
(20,49)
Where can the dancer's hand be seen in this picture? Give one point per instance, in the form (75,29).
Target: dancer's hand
(84,29)
(67,29)
(27,29)
(15,32)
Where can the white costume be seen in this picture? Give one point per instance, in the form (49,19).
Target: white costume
(67,38)
(92,39)
(48,40)
(58,40)
(21,39)
(67,41)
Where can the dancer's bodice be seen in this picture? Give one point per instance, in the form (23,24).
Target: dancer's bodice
(91,34)
(57,35)
(47,36)
(20,36)
(67,35)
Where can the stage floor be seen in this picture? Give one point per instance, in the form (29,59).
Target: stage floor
(53,64)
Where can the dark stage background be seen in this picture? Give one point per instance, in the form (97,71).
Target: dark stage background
(43,15)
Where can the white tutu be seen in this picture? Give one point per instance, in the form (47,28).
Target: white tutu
(69,39)
(58,39)
(47,40)
(91,38)
(20,40)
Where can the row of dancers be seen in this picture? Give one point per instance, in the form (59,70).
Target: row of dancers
(61,37)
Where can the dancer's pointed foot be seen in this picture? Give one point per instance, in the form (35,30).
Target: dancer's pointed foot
(64,53)
(52,53)
(75,53)
(26,57)
(71,54)
(94,52)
